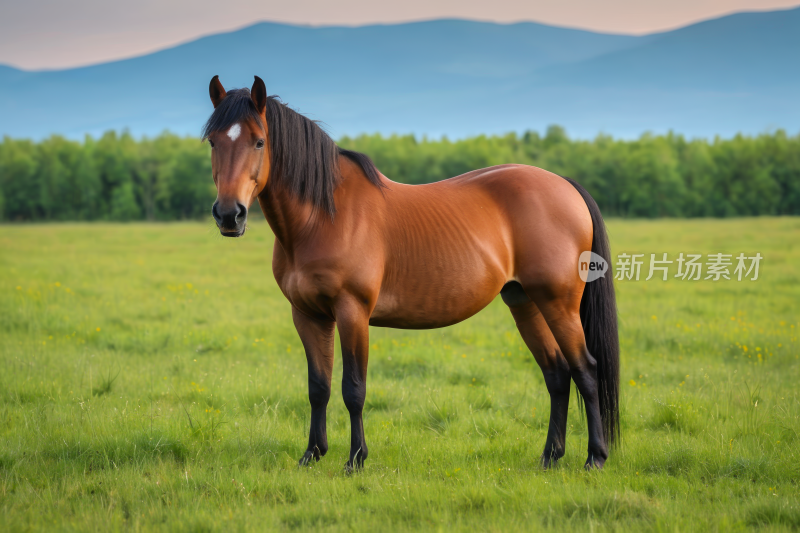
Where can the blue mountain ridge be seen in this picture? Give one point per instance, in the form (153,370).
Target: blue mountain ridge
(444,77)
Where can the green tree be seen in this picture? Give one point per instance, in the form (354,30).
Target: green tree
(123,203)
(19,180)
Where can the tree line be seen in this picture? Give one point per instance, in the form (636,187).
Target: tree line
(118,177)
(115,177)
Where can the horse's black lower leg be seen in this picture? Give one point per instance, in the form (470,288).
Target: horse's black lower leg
(352,319)
(354,391)
(319,392)
(317,338)
(557,380)
(585,378)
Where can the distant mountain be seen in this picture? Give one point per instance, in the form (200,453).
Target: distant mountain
(453,77)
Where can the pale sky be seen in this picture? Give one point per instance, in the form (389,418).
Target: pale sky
(38,34)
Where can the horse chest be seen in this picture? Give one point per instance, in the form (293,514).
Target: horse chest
(310,290)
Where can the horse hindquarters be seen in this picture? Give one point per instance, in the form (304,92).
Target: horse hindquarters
(581,321)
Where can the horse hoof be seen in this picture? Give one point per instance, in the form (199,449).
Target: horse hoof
(353,466)
(549,462)
(307,457)
(594,463)
(550,458)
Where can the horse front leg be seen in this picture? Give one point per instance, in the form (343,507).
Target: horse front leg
(353,323)
(317,338)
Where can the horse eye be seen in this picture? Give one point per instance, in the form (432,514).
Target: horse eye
(211,143)
(260,144)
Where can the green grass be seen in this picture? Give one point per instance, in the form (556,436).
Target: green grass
(152,380)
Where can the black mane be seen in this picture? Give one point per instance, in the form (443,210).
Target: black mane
(304,158)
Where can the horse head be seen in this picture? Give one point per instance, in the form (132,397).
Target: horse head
(238,134)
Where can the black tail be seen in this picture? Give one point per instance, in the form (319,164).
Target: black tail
(599,319)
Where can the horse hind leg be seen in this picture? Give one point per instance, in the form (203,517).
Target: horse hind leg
(540,341)
(562,315)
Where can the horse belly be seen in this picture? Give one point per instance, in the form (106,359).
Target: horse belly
(425,300)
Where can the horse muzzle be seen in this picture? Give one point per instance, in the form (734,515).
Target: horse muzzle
(231,218)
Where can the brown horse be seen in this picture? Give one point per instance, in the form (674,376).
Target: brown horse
(354,249)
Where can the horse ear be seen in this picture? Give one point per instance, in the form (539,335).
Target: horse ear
(216,91)
(259,95)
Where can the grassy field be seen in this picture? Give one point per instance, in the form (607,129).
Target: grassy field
(152,380)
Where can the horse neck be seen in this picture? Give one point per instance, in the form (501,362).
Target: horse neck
(286,215)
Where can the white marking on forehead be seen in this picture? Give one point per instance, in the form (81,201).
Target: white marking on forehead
(234,132)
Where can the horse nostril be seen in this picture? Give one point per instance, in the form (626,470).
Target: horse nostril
(241,212)
(215,213)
